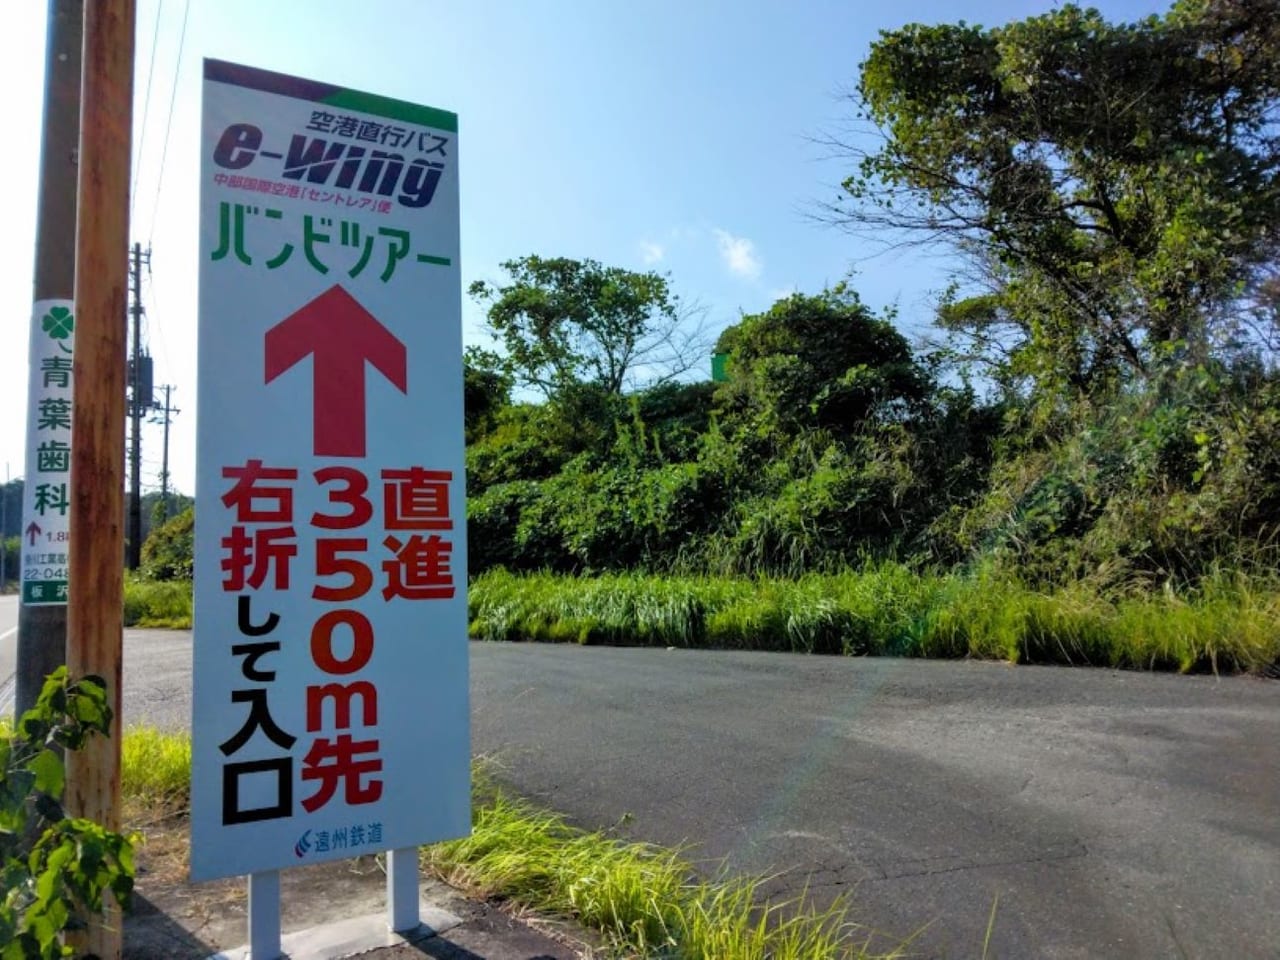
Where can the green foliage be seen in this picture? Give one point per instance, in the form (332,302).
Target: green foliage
(12,547)
(168,554)
(11,497)
(1116,182)
(644,899)
(817,362)
(1229,622)
(1102,415)
(1155,487)
(163,604)
(486,390)
(155,768)
(564,322)
(157,510)
(758,474)
(55,869)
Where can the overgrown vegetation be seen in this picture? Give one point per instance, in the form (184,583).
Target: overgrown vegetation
(164,604)
(1098,412)
(167,554)
(1091,436)
(55,869)
(647,901)
(11,547)
(155,769)
(1225,623)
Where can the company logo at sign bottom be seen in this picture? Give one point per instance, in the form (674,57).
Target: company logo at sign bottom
(303,846)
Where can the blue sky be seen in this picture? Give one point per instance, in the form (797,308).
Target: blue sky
(674,136)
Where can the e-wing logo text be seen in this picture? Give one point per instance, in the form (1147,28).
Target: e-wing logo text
(347,166)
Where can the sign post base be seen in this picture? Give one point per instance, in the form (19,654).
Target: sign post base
(264,915)
(402,889)
(352,938)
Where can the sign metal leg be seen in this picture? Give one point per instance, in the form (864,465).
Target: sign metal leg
(264,915)
(402,889)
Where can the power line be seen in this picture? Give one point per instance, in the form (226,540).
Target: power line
(155,302)
(173,96)
(146,108)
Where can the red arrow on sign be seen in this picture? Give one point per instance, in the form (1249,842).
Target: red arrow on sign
(33,530)
(341,335)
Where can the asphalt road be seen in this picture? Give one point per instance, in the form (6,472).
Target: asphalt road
(1105,814)
(8,649)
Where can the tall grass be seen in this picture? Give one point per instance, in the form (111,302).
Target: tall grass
(157,603)
(155,768)
(646,900)
(1229,622)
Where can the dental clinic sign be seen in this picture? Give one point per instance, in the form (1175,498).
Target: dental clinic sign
(330,663)
(46,493)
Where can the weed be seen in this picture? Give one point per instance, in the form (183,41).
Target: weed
(151,603)
(155,768)
(646,900)
(1229,622)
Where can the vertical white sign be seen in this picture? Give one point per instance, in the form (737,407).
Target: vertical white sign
(331,713)
(46,489)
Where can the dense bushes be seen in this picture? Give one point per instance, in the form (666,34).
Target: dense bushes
(168,553)
(1155,488)
(828,441)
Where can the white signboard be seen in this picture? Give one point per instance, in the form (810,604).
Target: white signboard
(331,712)
(46,490)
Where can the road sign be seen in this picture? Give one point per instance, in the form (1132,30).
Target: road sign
(330,703)
(46,490)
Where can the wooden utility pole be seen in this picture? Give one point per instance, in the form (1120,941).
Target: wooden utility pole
(42,630)
(95,612)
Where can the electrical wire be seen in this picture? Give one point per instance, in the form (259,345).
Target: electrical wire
(159,327)
(146,109)
(168,124)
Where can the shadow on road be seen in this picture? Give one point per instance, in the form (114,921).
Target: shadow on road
(151,934)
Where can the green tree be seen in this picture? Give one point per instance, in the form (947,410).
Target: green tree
(169,553)
(1115,181)
(156,511)
(12,547)
(12,494)
(565,323)
(486,392)
(820,361)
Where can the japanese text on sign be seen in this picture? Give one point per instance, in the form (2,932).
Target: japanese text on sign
(46,523)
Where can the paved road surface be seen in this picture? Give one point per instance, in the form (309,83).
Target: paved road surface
(8,649)
(1112,814)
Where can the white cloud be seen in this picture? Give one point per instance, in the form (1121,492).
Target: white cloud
(739,255)
(651,252)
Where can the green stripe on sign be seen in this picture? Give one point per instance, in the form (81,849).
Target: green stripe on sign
(37,593)
(438,261)
(394,109)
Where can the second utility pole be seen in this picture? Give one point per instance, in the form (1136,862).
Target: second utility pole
(169,411)
(136,384)
(42,630)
